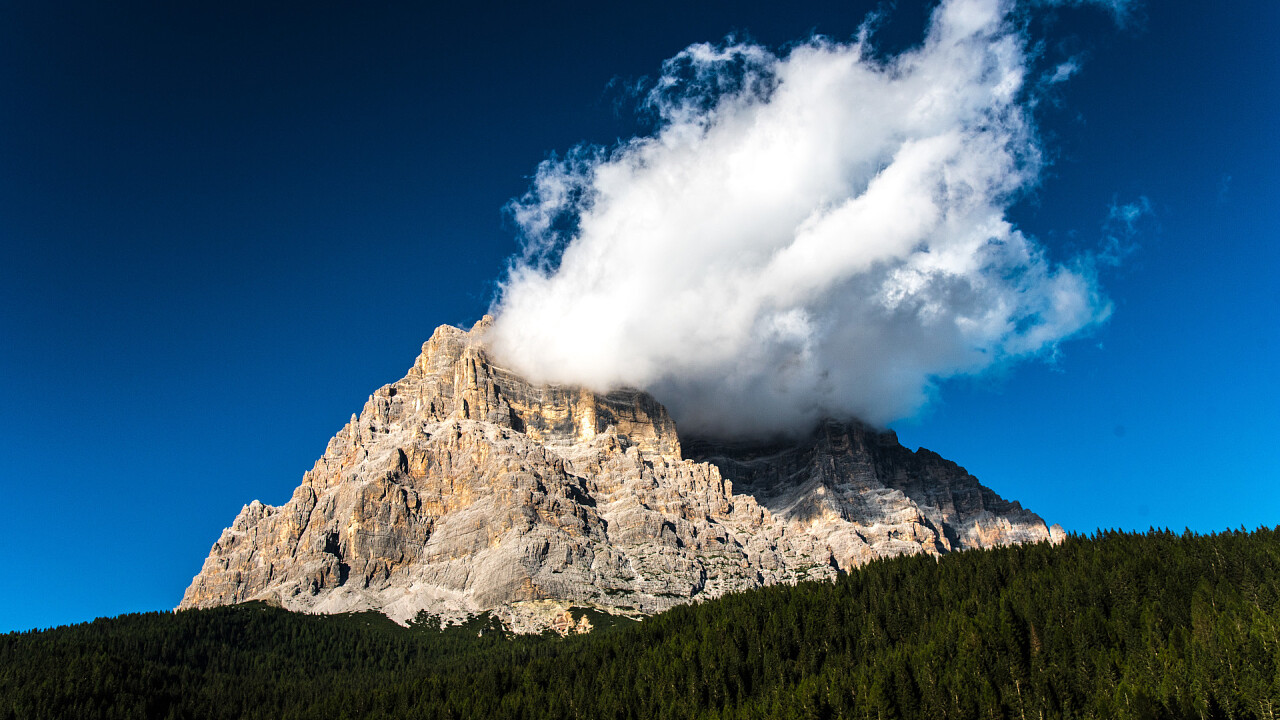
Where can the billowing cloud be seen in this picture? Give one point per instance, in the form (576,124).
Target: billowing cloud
(817,233)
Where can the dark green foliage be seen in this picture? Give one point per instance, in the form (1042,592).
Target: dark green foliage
(1114,626)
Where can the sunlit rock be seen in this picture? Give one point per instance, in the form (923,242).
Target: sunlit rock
(463,488)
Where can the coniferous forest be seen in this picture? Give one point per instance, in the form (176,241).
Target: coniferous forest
(1117,625)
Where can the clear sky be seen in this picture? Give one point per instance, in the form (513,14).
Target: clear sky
(223,227)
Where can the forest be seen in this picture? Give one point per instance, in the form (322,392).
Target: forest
(1112,625)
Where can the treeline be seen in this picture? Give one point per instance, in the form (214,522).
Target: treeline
(1117,625)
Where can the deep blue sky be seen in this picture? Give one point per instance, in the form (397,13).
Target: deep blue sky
(222,228)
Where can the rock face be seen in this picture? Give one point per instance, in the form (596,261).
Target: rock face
(463,488)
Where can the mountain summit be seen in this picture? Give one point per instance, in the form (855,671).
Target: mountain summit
(464,488)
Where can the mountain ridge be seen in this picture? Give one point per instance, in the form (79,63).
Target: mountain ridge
(464,488)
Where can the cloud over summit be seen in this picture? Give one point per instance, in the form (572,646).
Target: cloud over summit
(816,233)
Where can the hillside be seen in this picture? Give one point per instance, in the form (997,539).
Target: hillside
(1116,625)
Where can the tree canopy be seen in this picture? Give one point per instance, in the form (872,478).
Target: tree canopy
(1123,625)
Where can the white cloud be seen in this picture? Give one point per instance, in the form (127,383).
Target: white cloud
(817,233)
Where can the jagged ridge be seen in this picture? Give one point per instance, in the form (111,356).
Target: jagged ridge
(463,488)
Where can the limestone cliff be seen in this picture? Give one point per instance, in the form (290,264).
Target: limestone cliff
(463,488)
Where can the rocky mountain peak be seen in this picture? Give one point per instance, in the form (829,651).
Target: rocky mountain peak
(463,487)
(456,378)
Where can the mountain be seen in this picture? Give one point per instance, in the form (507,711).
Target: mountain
(464,488)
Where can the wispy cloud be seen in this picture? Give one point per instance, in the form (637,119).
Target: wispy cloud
(1121,230)
(1124,12)
(807,234)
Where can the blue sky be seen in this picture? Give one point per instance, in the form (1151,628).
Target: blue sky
(224,228)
